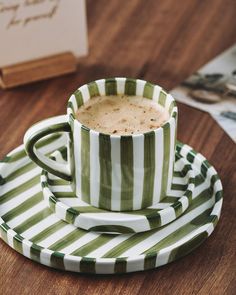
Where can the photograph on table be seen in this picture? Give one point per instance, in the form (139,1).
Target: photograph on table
(212,89)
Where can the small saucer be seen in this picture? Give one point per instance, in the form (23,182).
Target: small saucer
(67,206)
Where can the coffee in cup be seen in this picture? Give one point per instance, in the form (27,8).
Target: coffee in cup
(122,114)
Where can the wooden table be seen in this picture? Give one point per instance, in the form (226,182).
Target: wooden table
(164,42)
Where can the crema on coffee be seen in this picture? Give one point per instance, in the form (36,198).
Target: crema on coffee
(122,114)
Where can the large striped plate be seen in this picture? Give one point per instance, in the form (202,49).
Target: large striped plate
(67,206)
(32,229)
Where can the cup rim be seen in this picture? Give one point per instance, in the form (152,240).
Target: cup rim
(72,118)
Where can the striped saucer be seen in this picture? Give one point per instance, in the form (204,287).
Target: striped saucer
(67,206)
(32,229)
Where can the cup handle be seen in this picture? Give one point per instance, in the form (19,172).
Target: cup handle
(40,130)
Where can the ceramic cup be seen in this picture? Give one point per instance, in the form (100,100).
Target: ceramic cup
(118,173)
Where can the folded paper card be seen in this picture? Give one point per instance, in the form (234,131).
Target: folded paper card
(34,29)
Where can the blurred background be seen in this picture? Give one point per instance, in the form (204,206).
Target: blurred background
(161,41)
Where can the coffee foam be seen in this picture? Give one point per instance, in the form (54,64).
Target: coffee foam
(122,114)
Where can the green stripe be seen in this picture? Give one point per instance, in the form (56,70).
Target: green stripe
(85,165)
(177,174)
(62,151)
(112,228)
(214,220)
(105,171)
(35,251)
(18,172)
(189,195)
(148,90)
(214,179)
(67,240)
(92,245)
(169,199)
(15,156)
(203,218)
(179,187)
(71,154)
(71,214)
(47,232)
(179,146)
(29,222)
(55,182)
(174,115)
(204,167)
(183,172)
(162,98)
(154,220)
(144,212)
(52,203)
(110,86)
(120,265)
(88,265)
(44,185)
(172,105)
(47,141)
(203,197)
(62,195)
(79,98)
(199,179)
(4,228)
(24,206)
(127,244)
(149,169)
(71,106)
(130,86)
(24,168)
(166,158)
(17,243)
(57,260)
(93,89)
(72,125)
(150,261)
(89,209)
(219,195)
(178,157)
(127,173)
(19,189)
(178,234)
(188,247)
(191,156)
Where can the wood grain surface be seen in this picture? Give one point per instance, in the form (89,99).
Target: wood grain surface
(164,42)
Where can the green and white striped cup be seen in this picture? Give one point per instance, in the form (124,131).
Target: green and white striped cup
(112,172)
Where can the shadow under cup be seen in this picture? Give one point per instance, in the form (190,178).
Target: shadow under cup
(121,173)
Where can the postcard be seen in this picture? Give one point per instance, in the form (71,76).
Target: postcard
(32,29)
(213,89)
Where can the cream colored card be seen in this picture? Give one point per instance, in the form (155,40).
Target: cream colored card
(31,29)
